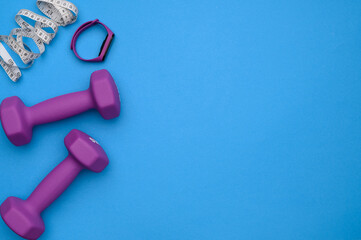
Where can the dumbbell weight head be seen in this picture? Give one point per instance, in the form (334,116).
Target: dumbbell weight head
(22,219)
(23,216)
(86,151)
(105,94)
(15,123)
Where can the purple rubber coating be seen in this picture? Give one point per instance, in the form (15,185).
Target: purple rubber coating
(18,120)
(24,216)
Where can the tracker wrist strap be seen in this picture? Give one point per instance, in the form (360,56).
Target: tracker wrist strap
(105,46)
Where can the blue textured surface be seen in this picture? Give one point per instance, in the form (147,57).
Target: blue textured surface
(240,120)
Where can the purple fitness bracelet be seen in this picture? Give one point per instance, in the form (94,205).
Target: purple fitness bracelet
(105,46)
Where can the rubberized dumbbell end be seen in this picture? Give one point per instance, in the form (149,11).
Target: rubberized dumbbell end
(86,150)
(105,94)
(13,119)
(24,221)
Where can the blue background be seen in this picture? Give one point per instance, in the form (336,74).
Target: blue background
(240,120)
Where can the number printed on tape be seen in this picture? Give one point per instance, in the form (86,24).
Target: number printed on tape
(58,12)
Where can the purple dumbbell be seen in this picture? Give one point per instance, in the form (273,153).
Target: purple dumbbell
(19,120)
(23,216)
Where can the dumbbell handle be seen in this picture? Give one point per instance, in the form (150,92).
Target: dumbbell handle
(54,184)
(60,107)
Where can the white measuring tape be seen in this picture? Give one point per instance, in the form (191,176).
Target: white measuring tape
(60,13)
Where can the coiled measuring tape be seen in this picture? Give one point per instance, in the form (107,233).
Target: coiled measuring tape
(60,13)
